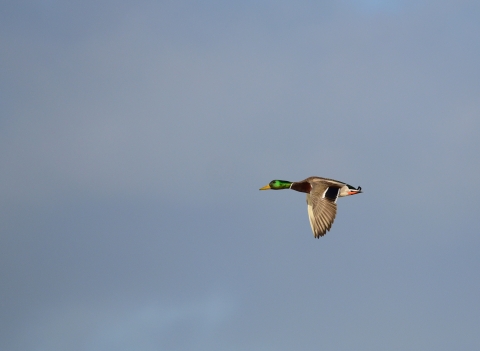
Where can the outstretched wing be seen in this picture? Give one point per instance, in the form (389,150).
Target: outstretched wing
(322,207)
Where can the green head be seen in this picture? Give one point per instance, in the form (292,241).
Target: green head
(277,185)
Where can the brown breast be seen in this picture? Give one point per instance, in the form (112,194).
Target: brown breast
(303,187)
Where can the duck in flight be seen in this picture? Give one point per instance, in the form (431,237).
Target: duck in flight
(322,195)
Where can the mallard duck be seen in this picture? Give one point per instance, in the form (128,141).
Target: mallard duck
(322,195)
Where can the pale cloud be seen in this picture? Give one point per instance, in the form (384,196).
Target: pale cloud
(122,324)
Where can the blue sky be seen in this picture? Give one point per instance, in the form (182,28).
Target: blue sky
(134,139)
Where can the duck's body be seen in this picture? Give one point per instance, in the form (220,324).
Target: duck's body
(322,195)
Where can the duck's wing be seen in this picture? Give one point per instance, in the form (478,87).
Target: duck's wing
(322,207)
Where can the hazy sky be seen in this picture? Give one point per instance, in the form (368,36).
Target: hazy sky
(134,137)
